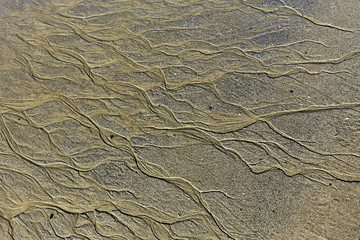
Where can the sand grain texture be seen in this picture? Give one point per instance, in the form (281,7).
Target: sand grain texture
(182,119)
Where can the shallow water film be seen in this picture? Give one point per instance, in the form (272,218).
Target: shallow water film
(179,119)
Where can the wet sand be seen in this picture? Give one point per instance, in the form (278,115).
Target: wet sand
(180,119)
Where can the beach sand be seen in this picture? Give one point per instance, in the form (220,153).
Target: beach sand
(183,119)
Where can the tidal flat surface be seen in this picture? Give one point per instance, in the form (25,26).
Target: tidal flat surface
(179,119)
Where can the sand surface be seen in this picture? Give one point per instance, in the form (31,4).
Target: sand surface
(180,119)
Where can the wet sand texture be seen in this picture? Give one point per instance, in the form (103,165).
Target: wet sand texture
(179,119)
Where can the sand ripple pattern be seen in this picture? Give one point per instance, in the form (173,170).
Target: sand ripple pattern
(132,119)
